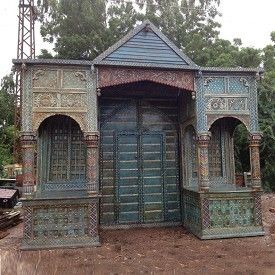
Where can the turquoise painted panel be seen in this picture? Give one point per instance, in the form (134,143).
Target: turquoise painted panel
(146,47)
(214,85)
(238,85)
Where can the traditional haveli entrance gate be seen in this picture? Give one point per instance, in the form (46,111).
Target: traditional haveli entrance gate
(140,136)
(139,160)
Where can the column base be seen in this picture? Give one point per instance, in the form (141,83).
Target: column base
(204,189)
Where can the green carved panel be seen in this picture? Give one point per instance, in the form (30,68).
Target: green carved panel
(222,213)
(69,221)
(61,221)
(231,213)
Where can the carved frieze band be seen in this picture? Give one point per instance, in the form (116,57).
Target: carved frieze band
(226,104)
(59,100)
(111,76)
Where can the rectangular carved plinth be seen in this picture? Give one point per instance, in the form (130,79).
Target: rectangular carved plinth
(219,214)
(58,223)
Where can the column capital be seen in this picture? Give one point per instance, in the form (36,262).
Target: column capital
(27,136)
(203,138)
(255,138)
(91,139)
(27,139)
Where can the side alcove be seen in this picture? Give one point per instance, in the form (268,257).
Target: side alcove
(61,155)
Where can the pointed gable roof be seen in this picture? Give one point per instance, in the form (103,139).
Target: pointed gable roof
(145,46)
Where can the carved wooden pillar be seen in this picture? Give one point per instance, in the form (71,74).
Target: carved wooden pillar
(28,142)
(254,147)
(203,143)
(92,166)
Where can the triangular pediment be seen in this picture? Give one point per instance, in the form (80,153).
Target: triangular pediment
(145,46)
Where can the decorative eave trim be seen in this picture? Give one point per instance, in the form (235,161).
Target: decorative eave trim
(236,69)
(52,62)
(99,59)
(146,65)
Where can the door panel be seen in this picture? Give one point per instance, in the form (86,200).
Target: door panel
(128,196)
(153,204)
(139,162)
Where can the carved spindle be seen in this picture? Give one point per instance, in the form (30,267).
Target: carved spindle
(203,144)
(28,143)
(92,166)
(254,147)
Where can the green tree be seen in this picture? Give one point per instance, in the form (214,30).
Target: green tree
(6,121)
(267,115)
(85,28)
(77,28)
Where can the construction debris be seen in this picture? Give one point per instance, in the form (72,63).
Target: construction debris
(9,218)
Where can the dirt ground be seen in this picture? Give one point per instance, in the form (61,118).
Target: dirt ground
(149,251)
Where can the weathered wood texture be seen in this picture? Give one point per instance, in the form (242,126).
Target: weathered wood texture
(139,161)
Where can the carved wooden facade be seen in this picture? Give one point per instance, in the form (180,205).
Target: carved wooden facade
(141,135)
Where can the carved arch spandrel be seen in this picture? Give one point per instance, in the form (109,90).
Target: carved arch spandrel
(245,119)
(80,118)
(112,76)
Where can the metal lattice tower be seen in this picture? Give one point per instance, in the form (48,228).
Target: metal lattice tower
(25,50)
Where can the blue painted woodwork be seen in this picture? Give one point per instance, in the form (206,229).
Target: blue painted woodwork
(146,47)
(139,160)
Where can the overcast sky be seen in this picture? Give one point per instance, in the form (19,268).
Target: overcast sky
(250,20)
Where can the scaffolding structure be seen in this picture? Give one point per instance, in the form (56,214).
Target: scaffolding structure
(25,50)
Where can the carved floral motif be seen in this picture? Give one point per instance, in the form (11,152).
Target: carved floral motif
(28,142)
(81,75)
(216,104)
(45,100)
(115,76)
(237,104)
(45,78)
(72,100)
(207,80)
(244,81)
(224,103)
(37,74)
(59,100)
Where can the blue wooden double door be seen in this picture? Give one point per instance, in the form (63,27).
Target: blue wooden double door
(139,169)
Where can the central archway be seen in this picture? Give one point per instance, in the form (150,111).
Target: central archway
(139,177)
